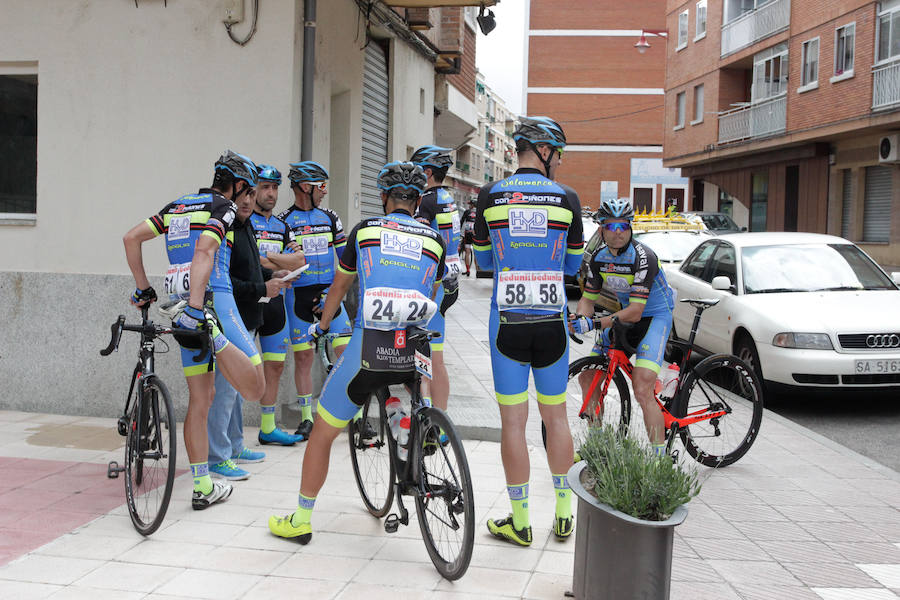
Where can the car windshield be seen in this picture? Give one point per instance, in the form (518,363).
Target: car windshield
(671,246)
(810,268)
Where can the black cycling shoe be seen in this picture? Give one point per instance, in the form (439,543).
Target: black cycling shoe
(304,429)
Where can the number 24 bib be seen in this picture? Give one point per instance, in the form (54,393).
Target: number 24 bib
(530,289)
(391,308)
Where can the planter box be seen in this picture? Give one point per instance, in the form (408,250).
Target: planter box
(618,557)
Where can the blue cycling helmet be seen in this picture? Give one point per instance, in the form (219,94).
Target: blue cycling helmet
(307,171)
(620,208)
(540,130)
(402,175)
(432,156)
(269,173)
(239,166)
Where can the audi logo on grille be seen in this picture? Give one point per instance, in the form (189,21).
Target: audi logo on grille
(891,340)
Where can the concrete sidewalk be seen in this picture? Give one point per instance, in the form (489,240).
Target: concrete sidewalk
(799,517)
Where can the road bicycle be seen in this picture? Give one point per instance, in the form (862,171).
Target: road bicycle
(436,472)
(716,408)
(148,425)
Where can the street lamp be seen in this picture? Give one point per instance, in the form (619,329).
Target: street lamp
(642,44)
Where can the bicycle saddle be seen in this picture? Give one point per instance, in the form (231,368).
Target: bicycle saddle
(701,302)
(416,334)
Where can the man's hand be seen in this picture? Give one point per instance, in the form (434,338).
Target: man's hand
(274,286)
(295,247)
(320,302)
(580,324)
(141,297)
(191,318)
(315,332)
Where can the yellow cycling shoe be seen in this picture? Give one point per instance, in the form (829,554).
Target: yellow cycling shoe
(282,527)
(504,529)
(562,528)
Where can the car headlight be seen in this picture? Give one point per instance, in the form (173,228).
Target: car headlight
(807,341)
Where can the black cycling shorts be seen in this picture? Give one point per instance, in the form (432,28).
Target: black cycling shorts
(540,344)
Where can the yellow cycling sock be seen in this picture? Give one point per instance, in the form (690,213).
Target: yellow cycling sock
(267,422)
(303,514)
(202,481)
(563,496)
(518,497)
(305,402)
(658,449)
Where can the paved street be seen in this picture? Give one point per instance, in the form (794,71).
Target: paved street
(799,517)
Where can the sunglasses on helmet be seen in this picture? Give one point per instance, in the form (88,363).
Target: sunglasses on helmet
(617,227)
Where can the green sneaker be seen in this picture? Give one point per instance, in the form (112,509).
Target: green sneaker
(562,528)
(282,527)
(504,529)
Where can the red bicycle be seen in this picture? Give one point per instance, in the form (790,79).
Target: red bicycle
(716,408)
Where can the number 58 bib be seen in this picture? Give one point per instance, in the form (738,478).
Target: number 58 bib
(530,289)
(391,308)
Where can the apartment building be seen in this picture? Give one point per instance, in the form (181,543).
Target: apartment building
(584,71)
(490,154)
(784,113)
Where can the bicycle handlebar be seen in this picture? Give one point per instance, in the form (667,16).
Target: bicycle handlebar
(150,328)
(116,335)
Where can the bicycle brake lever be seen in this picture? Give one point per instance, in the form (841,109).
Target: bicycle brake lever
(116,334)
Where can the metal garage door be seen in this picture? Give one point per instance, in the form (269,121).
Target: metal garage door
(374,128)
(877,210)
(846,203)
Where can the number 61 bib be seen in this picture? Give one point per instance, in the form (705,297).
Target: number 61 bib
(387,308)
(530,289)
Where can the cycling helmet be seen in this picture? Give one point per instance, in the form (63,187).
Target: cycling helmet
(432,156)
(620,208)
(239,166)
(402,175)
(540,130)
(269,173)
(307,171)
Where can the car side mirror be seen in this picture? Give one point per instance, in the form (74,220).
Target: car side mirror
(722,283)
(743,228)
(896,277)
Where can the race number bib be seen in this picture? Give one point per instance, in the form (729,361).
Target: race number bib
(454,219)
(178,280)
(530,289)
(423,364)
(452,267)
(387,308)
(267,247)
(314,245)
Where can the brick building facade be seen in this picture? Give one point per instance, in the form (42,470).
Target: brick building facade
(583,70)
(776,109)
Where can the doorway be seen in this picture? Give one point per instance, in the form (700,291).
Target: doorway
(791,197)
(643,199)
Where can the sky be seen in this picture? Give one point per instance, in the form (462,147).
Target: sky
(501,55)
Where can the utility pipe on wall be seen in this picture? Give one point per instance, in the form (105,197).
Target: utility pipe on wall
(309,69)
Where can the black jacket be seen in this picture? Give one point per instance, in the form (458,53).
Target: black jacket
(248,276)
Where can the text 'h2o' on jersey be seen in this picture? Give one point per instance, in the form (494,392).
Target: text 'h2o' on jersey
(398,261)
(272,234)
(528,229)
(321,235)
(438,210)
(634,275)
(206,213)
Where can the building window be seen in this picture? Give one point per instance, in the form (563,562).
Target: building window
(889,34)
(18,145)
(679,110)
(844,41)
(759,200)
(698,104)
(809,76)
(682,30)
(700,29)
(770,73)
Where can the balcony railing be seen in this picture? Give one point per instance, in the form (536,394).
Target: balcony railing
(755,25)
(756,120)
(886,85)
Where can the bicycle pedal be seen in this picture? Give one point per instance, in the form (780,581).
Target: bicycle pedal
(113,469)
(392,523)
(122,426)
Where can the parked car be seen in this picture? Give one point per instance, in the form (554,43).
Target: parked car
(716,222)
(804,309)
(672,247)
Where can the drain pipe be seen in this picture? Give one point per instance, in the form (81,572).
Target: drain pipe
(309,68)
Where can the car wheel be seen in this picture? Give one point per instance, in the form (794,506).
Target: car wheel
(746,351)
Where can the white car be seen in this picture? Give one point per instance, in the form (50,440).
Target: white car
(672,247)
(804,309)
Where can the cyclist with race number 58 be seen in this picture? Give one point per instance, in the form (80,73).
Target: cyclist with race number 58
(632,272)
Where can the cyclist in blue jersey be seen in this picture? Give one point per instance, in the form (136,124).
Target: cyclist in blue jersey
(198,238)
(276,244)
(631,271)
(528,231)
(438,210)
(400,262)
(320,234)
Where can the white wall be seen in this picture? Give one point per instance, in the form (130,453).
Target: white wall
(409,72)
(134,106)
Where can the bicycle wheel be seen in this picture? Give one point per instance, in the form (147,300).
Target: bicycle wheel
(150,457)
(615,408)
(720,382)
(371,456)
(446,509)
